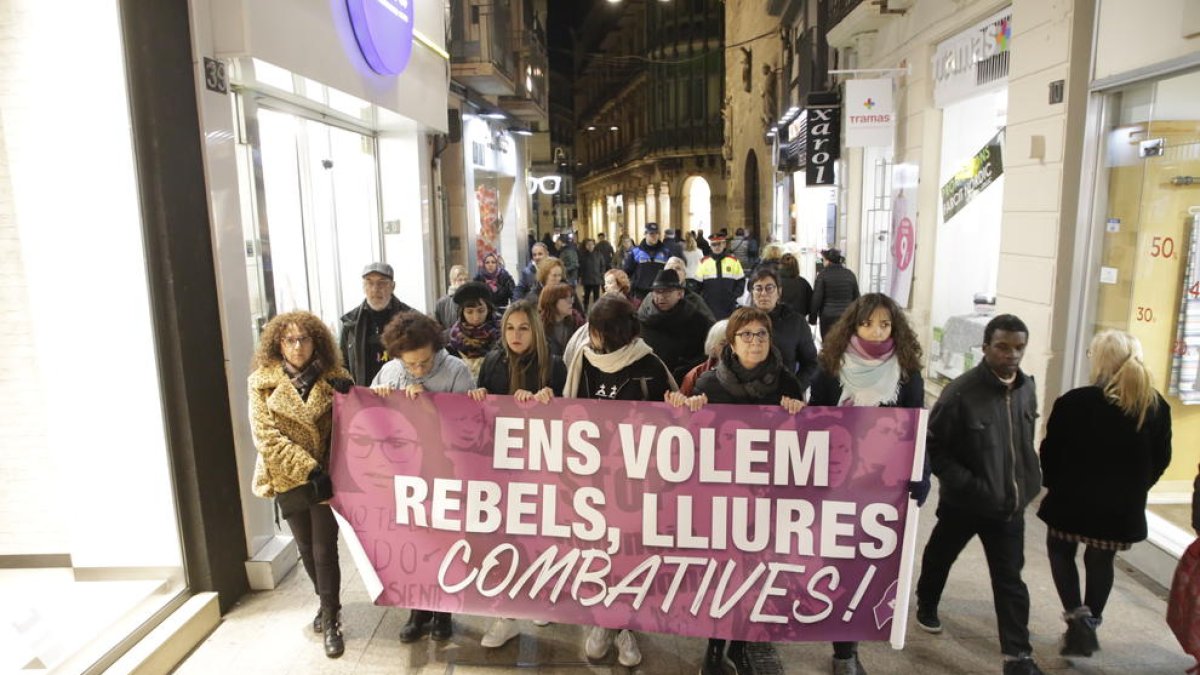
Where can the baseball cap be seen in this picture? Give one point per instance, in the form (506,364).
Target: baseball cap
(379,268)
(651,228)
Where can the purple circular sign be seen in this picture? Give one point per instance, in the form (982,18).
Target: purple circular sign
(384,31)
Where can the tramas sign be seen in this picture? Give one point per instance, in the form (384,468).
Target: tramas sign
(734,521)
(384,32)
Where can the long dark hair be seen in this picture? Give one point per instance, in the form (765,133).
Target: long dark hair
(833,347)
(517,363)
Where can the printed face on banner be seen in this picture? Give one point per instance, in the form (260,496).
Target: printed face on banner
(734,521)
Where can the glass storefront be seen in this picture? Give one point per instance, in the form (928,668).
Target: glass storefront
(90,550)
(1146,222)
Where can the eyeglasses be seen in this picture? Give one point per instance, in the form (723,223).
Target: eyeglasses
(753,336)
(377,283)
(395,448)
(764,290)
(295,342)
(548,184)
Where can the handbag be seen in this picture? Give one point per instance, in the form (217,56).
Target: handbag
(1183,604)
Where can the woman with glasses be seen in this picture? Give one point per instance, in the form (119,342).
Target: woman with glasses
(616,364)
(297,368)
(476,331)
(498,281)
(559,315)
(870,357)
(792,336)
(1106,445)
(750,371)
(523,367)
(419,364)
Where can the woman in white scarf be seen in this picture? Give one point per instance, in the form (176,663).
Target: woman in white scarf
(615,364)
(870,357)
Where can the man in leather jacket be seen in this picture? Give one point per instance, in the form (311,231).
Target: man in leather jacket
(362,351)
(980,445)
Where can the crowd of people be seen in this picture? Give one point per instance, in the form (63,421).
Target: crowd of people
(684,322)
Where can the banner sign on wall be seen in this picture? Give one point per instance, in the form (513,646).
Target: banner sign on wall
(870,113)
(986,166)
(974,61)
(824,119)
(902,252)
(734,521)
(384,32)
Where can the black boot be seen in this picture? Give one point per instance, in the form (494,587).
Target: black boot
(739,656)
(418,623)
(335,646)
(715,662)
(319,622)
(1080,638)
(442,627)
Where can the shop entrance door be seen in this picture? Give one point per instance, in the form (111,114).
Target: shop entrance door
(315,213)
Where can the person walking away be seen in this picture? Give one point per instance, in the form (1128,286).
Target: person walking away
(674,326)
(673,242)
(605,249)
(871,357)
(692,256)
(362,327)
(1106,445)
(499,282)
(296,371)
(420,364)
(569,255)
(790,334)
(748,372)
(980,444)
(797,292)
(525,287)
(836,287)
(592,266)
(445,311)
(722,279)
(560,317)
(616,364)
(625,247)
(645,261)
(705,249)
(476,330)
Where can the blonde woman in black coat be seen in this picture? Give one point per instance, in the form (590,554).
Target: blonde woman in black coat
(1106,445)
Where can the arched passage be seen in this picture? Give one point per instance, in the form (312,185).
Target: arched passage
(697,205)
(750,208)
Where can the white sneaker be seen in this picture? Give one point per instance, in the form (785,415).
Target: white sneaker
(598,641)
(501,631)
(628,653)
(540,623)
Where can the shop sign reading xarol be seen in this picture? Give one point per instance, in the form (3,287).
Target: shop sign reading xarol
(824,137)
(384,31)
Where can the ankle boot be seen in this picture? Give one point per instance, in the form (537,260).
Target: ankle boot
(715,662)
(1080,638)
(415,627)
(442,627)
(335,646)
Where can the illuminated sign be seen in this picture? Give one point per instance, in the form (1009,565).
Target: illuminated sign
(548,184)
(384,31)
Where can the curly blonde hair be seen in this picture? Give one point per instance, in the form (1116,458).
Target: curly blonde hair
(544,267)
(269,352)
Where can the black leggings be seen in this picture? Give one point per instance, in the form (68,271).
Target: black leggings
(1097,565)
(591,292)
(316,532)
(845,650)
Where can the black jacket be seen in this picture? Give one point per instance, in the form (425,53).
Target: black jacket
(643,380)
(826,389)
(592,266)
(353,340)
(796,292)
(793,338)
(835,289)
(606,252)
(709,384)
(527,284)
(677,336)
(980,443)
(505,288)
(493,374)
(1097,466)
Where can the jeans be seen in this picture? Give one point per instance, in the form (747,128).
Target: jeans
(316,532)
(1004,546)
(1097,565)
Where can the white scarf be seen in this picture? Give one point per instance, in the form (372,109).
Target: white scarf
(610,363)
(868,382)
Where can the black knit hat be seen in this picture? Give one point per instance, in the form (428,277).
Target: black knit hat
(471,292)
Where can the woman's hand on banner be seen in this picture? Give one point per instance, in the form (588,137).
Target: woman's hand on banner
(792,405)
(382,391)
(413,390)
(480,394)
(678,400)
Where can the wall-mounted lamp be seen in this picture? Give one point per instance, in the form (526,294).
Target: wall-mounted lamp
(591,127)
(613,128)
(521,131)
(495,115)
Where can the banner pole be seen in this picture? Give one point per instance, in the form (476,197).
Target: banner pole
(912,520)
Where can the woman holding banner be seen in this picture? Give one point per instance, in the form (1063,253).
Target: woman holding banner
(750,371)
(870,357)
(297,369)
(420,363)
(520,366)
(616,364)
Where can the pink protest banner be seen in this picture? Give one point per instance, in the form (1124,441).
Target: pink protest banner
(735,521)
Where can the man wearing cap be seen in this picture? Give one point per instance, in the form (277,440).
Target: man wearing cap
(674,325)
(645,261)
(722,278)
(362,350)
(529,272)
(673,243)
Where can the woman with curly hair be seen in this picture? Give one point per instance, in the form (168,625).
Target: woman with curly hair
(870,357)
(616,282)
(560,318)
(419,364)
(550,272)
(297,368)
(476,330)
(497,279)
